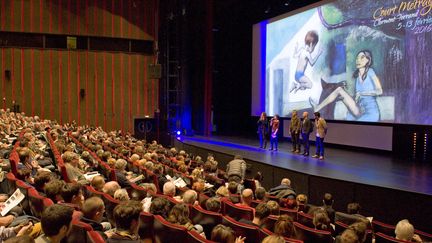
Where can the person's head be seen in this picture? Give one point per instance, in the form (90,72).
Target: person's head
(169,189)
(263,116)
(72,193)
(24,174)
(317,115)
(41,178)
(110,188)
(179,214)
(274,207)
(404,230)
(198,186)
(284,226)
(260,193)
(213,204)
(24,155)
(160,206)
(349,236)
(93,208)
(286,182)
(190,197)
(360,229)
(247,196)
(53,189)
(222,191)
(294,113)
(120,164)
(98,183)
(305,114)
(311,39)
(328,199)
(121,195)
(56,221)
(276,117)
(262,211)
(301,199)
(273,239)
(238,156)
(353,208)
(126,216)
(321,220)
(364,59)
(70,157)
(233,187)
(223,234)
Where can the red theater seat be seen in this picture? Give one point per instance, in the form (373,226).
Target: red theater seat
(94,237)
(237,212)
(78,232)
(38,203)
(290,212)
(165,231)
(146,222)
(305,219)
(245,230)
(89,191)
(207,219)
(311,235)
(194,237)
(380,227)
(11,182)
(383,238)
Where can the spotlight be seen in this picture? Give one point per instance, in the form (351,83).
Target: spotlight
(178,133)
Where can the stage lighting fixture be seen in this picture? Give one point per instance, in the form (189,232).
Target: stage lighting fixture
(267,10)
(178,133)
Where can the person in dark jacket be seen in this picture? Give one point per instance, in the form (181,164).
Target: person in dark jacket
(284,190)
(306,129)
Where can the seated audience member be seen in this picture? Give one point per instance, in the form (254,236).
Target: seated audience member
(24,174)
(360,229)
(274,207)
(169,190)
(26,161)
(258,179)
(111,187)
(53,190)
(40,180)
(405,231)
(348,236)
(222,192)
(290,204)
(56,222)
(146,202)
(233,192)
(121,195)
(260,194)
(225,234)
(321,221)
(273,239)
(302,203)
(284,190)
(120,168)
(74,174)
(72,195)
(126,217)
(246,198)
(328,206)
(190,197)
(98,182)
(213,204)
(7,233)
(179,214)
(284,226)
(93,211)
(261,214)
(160,206)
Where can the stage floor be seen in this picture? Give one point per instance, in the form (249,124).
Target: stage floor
(370,168)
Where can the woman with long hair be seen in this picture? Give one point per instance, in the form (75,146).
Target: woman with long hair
(363,107)
(263,126)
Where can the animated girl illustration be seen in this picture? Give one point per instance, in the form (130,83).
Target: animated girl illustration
(363,107)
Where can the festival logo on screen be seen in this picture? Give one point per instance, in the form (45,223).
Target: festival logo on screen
(353,60)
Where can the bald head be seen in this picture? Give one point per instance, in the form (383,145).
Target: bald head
(305,114)
(286,181)
(247,196)
(111,187)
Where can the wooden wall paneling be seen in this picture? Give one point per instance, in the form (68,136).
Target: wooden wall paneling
(130,104)
(3,14)
(145,90)
(73,91)
(64,82)
(54,86)
(118,89)
(45,84)
(90,90)
(100,90)
(136,87)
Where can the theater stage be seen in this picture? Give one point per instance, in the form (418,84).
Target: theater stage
(350,175)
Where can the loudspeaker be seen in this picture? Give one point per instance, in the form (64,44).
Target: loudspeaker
(82,93)
(8,75)
(145,128)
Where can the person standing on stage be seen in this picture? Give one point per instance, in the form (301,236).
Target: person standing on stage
(263,127)
(321,131)
(295,132)
(306,129)
(274,126)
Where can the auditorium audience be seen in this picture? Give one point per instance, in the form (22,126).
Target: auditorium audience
(213,204)
(328,206)
(225,234)
(260,194)
(126,217)
(284,190)
(93,211)
(110,188)
(98,182)
(284,226)
(274,207)
(405,231)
